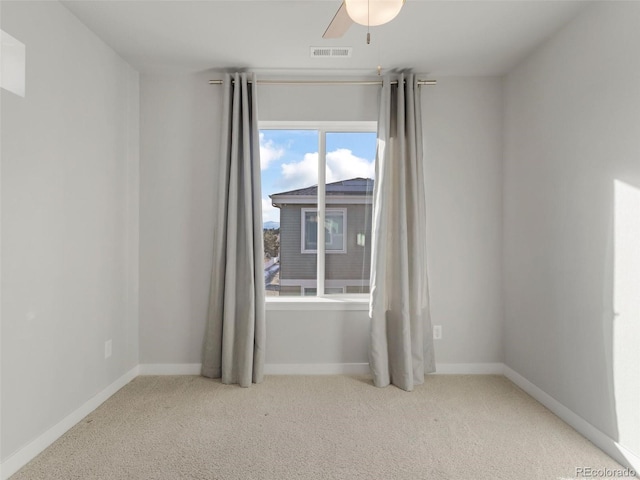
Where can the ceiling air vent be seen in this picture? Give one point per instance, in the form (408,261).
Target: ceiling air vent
(331,52)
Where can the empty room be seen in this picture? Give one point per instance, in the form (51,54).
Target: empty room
(170,308)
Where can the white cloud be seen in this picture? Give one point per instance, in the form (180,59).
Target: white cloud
(300,174)
(342,164)
(269,212)
(269,152)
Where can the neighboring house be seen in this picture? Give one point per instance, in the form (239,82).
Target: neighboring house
(347,237)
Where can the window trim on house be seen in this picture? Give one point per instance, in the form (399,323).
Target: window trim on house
(321,301)
(303,238)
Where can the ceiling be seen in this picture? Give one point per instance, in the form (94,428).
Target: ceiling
(437,37)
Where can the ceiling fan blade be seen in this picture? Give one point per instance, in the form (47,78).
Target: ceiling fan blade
(340,23)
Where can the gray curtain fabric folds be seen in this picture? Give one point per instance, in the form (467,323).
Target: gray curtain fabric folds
(401,348)
(235,333)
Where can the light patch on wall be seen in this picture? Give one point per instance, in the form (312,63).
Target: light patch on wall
(13,60)
(626,355)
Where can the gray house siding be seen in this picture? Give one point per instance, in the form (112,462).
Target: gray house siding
(294,264)
(354,264)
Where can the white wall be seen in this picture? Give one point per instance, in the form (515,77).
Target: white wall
(572,117)
(69,222)
(179,145)
(179,142)
(463,143)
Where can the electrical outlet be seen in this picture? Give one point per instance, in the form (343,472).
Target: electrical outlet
(107,349)
(437,332)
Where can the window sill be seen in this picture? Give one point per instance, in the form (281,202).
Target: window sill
(359,303)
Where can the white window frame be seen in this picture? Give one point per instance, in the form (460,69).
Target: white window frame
(303,220)
(321,301)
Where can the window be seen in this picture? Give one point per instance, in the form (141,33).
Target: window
(300,258)
(335,226)
(313,291)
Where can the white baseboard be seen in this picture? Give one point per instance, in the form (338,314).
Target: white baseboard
(27,453)
(469,368)
(170,368)
(324,369)
(316,369)
(601,440)
(633,460)
(363,369)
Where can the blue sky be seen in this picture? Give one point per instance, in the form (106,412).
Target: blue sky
(289,160)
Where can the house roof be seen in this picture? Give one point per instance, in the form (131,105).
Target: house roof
(353,186)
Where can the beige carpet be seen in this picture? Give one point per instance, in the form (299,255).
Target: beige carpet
(318,427)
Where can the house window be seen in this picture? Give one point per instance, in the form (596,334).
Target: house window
(335,227)
(302,259)
(313,291)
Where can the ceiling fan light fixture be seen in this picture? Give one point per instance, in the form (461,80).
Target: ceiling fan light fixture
(373,12)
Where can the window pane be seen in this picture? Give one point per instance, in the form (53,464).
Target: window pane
(333,290)
(334,230)
(350,172)
(289,197)
(310,228)
(289,163)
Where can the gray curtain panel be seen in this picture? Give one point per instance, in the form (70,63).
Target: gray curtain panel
(401,349)
(235,333)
